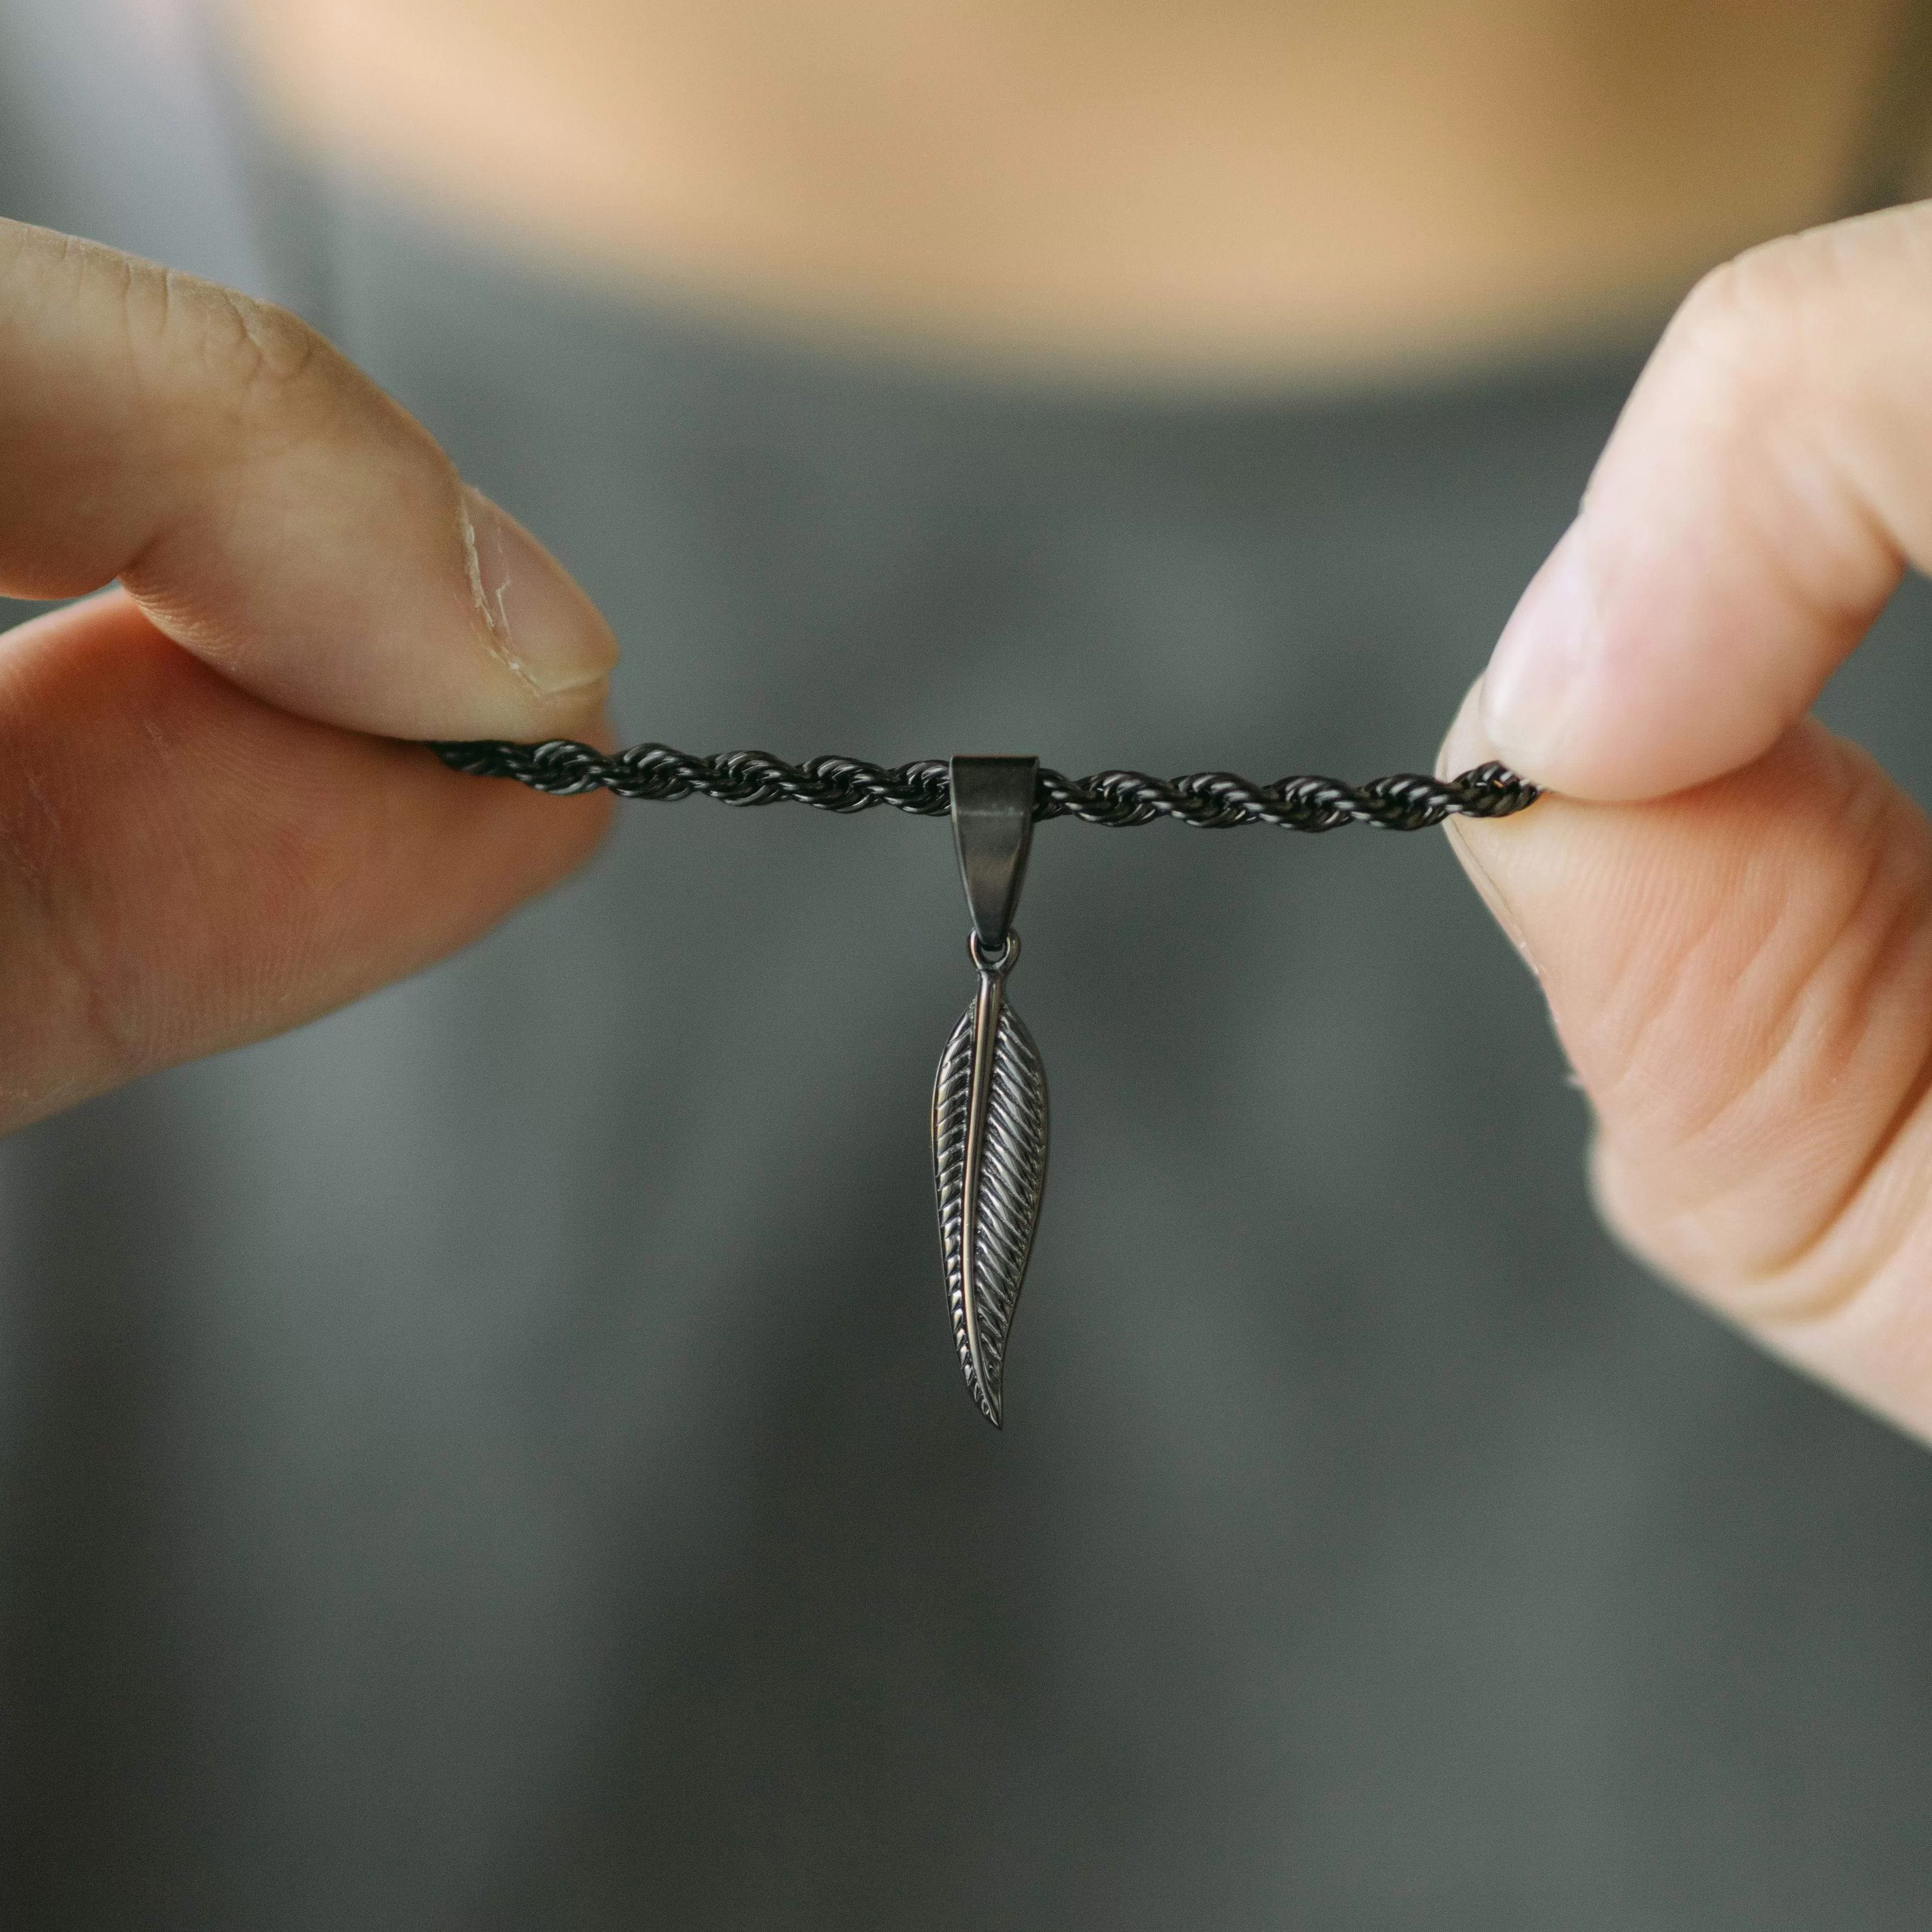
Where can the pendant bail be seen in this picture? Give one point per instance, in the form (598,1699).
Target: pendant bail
(992,833)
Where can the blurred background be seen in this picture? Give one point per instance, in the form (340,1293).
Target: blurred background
(494,1457)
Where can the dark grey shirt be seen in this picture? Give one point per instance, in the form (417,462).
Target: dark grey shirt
(495,1457)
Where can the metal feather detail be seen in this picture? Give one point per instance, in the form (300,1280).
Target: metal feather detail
(989,1143)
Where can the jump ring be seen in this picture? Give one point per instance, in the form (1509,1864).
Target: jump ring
(1002,961)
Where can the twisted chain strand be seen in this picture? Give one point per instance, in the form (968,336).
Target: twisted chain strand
(1404,801)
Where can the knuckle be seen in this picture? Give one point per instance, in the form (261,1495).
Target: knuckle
(1791,313)
(1738,329)
(252,351)
(258,345)
(197,342)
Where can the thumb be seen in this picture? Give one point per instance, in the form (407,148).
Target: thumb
(269,508)
(1741,975)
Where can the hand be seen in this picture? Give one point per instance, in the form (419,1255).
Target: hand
(1729,910)
(207,833)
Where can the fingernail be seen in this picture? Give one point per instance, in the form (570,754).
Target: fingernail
(537,621)
(1536,688)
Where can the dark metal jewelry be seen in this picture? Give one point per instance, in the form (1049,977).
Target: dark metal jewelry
(1405,802)
(989,1115)
(989,1104)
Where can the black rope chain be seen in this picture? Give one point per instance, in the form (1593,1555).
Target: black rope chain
(1404,801)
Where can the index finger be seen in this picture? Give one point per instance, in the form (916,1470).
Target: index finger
(268,507)
(1768,481)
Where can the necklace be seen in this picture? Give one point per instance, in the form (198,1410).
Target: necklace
(989,1102)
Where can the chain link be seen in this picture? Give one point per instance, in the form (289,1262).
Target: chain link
(1404,801)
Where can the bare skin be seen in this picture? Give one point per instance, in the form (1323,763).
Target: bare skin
(206,834)
(1729,911)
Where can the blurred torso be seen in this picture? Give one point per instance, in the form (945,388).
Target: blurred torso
(1223,189)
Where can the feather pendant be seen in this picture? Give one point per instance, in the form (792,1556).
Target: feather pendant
(989,1142)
